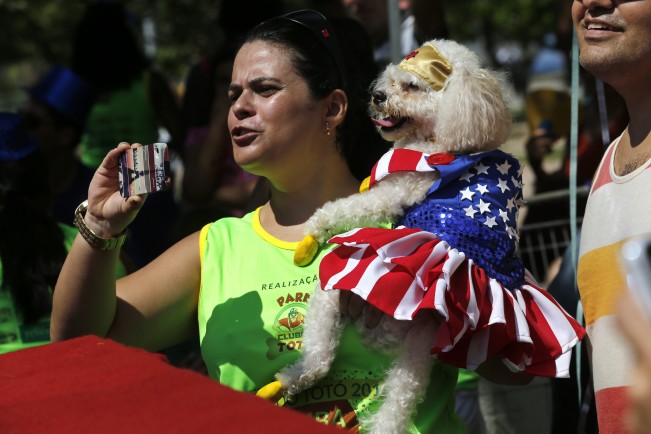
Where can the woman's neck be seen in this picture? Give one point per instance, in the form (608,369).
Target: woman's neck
(285,214)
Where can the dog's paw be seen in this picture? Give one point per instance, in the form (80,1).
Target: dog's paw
(271,392)
(306,251)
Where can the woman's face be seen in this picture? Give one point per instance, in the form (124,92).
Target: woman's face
(274,122)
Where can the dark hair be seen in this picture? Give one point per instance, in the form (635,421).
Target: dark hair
(31,243)
(106,51)
(358,140)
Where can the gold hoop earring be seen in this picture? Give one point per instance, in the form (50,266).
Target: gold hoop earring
(327,128)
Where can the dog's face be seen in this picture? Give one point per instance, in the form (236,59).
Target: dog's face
(459,108)
(403,107)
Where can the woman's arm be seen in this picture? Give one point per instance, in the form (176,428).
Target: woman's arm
(152,308)
(157,306)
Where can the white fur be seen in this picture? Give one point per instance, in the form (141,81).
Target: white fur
(469,114)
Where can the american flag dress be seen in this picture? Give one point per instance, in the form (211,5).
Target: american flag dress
(455,253)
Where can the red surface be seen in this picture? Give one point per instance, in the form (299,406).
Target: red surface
(95,385)
(612,405)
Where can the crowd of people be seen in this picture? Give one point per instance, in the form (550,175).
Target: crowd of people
(271,126)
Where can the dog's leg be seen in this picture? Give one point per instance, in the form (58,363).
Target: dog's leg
(405,383)
(347,213)
(323,327)
(382,204)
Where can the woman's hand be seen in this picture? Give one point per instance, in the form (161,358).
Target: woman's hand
(108,212)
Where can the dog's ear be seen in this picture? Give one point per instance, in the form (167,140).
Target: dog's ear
(473,113)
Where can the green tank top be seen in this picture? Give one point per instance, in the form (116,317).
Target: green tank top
(14,334)
(252,308)
(126,116)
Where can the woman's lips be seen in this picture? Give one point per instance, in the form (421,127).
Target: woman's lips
(243,136)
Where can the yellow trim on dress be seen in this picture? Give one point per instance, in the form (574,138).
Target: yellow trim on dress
(257,227)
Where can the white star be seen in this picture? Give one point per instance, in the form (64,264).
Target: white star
(490,222)
(504,215)
(510,203)
(466,176)
(467,194)
(501,184)
(520,171)
(470,212)
(509,230)
(483,206)
(480,168)
(516,182)
(481,189)
(504,167)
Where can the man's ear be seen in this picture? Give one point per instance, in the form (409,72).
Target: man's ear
(337,106)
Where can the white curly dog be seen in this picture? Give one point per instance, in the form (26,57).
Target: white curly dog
(438,100)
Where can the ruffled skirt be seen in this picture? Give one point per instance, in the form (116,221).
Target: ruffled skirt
(402,271)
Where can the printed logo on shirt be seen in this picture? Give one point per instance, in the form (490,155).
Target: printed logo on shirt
(288,324)
(337,402)
(336,413)
(288,327)
(309,280)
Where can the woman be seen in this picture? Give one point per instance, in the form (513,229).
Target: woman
(296,120)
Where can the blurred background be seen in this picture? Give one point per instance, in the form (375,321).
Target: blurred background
(174,34)
(185,49)
(85,75)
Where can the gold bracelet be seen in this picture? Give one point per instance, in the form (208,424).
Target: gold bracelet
(90,236)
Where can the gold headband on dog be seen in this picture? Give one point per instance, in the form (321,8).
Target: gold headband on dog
(428,64)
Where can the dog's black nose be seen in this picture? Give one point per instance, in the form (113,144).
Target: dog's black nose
(379,97)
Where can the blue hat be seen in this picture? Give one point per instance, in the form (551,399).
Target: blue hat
(15,142)
(67,93)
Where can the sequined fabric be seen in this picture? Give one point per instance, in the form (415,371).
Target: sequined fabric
(476,213)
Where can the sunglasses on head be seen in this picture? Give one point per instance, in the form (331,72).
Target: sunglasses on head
(319,26)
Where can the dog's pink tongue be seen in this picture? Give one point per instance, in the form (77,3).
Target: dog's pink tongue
(387,122)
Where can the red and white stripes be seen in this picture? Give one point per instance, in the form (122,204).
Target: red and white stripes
(401,271)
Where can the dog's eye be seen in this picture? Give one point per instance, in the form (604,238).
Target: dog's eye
(410,87)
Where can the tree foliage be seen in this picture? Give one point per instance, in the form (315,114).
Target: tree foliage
(521,21)
(37,33)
